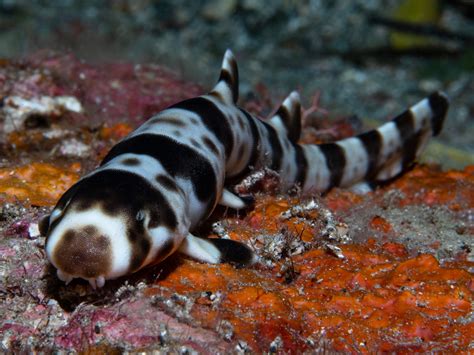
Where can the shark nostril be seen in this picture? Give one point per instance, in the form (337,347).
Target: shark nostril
(83,253)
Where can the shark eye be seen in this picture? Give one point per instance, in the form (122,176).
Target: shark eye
(140,215)
(43,225)
(55,214)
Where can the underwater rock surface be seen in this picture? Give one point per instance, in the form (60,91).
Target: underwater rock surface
(388,271)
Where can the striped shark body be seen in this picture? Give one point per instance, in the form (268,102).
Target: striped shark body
(156,185)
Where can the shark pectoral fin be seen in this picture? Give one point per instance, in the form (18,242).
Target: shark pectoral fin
(200,249)
(217,250)
(229,199)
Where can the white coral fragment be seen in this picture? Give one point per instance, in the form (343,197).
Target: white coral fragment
(17,110)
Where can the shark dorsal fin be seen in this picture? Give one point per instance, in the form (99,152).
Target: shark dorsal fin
(288,117)
(227,87)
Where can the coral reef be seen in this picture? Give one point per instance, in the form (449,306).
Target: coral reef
(390,271)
